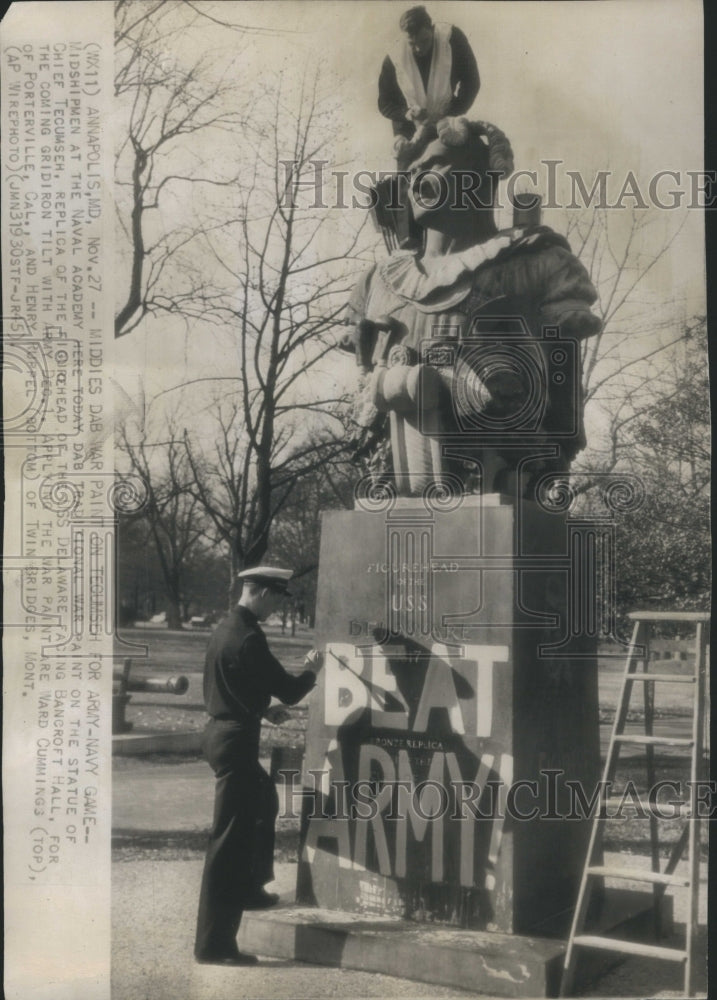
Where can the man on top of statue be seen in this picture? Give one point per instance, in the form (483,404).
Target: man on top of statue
(431,75)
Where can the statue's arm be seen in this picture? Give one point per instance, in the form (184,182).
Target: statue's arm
(358,300)
(357,340)
(567,295)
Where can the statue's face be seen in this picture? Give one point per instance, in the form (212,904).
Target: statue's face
(449,188)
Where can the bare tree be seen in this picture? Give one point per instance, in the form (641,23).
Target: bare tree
(296,532)
(636,375)
(240,508)
(619,365)
(171,512)
(665,543)
(289,268)
(173,115)
(219,230)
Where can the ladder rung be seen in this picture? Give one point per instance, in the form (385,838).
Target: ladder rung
(670,741)
(669,616)
(669,678)
(638,875)
(630,947)
(679,811)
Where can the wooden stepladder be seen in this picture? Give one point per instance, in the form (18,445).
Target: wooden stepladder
(689,839)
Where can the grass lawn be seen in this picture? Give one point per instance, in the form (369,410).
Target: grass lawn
(183,652)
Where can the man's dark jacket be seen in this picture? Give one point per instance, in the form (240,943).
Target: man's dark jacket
(241,675)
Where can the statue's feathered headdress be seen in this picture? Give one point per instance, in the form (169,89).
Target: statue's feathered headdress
(500,152)
(493,156)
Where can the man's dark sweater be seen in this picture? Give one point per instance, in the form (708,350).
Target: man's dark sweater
(465,84)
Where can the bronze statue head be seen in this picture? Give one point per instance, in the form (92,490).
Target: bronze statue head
(453,179)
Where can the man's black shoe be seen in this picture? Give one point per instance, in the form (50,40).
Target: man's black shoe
(232,958)
(261,900)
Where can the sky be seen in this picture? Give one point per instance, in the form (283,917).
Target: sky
(616,83)
(613,85)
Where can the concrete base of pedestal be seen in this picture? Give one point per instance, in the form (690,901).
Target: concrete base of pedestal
(500,965)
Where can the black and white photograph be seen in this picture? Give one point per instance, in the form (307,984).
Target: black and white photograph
(357,551)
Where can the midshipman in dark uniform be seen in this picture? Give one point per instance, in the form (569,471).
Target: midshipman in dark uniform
(240,678)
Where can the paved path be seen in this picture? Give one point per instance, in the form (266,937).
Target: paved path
(153,911)
(154,907)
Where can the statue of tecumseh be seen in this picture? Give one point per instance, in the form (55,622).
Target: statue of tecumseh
(468,348)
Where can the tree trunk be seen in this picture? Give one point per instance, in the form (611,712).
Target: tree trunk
(174,615)
(234,585)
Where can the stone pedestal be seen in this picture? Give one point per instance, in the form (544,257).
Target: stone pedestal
(482,963)
(454,733)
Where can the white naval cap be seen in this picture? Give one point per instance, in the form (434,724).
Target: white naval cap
(270,576)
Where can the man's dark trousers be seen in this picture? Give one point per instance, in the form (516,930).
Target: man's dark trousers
(240,855)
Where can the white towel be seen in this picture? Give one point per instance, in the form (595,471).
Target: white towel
(438,98)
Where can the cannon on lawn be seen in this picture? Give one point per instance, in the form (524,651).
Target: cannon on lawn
(123,686)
